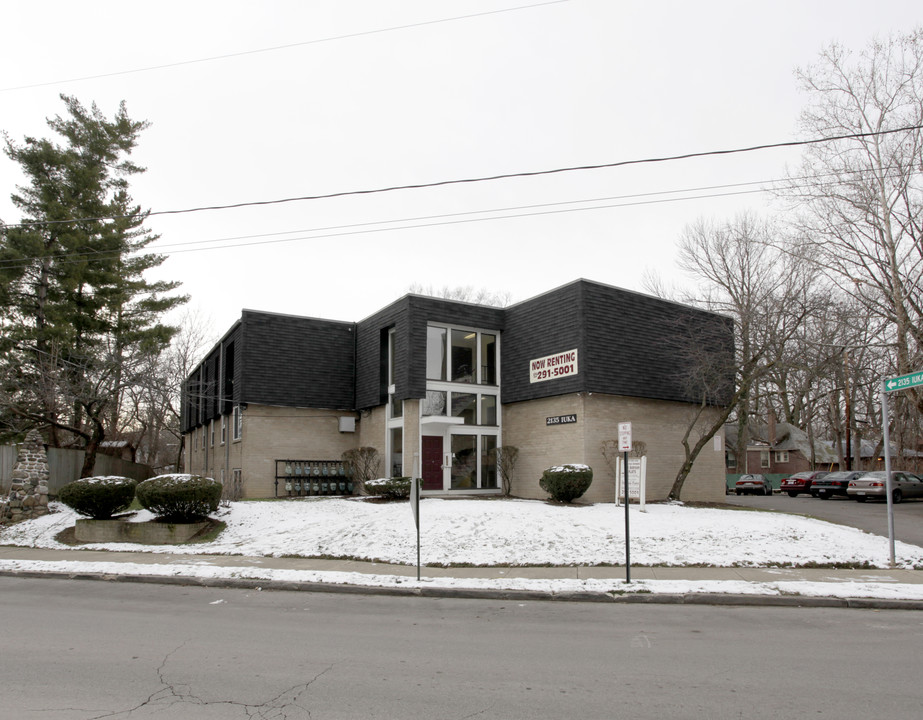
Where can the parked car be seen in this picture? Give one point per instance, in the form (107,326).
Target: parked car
(756,484)
(835,483)
(872,485)
(801,482)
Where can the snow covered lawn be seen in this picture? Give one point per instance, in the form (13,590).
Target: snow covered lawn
(513,532)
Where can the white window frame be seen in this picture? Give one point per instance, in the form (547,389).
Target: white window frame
(781,456)
(765,457)
(224,429)
(237,424)
(478,389)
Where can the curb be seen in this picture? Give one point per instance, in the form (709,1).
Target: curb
(714,599)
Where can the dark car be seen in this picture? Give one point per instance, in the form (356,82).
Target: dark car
(801,482)
(757,484)
(834,483)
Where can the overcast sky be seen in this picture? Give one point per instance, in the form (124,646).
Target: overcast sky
(264,101)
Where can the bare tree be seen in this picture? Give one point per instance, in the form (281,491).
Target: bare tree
(506,457)
(151,416)
(767,296)
(860,199)
(362,464)
(465,293)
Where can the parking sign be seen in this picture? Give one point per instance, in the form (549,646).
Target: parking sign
(625,437)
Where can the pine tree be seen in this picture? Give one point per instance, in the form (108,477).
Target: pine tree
(80,318)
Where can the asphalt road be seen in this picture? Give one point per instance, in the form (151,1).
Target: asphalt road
(870,516)
(76,650)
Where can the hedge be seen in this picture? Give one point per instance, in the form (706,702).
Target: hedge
(179,498)
(98,497)
(391,488)
(566,483)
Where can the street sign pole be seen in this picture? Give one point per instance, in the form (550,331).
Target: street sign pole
(625,446)
(627,543)
(901,382)
(415,505)
(885,421)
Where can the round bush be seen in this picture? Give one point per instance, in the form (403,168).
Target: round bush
(391,488)
(179,498)
(566,483)
(98,497)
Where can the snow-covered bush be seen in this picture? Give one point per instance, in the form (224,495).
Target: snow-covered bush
(98,497)
(179,497)
(566,483)
(390,488)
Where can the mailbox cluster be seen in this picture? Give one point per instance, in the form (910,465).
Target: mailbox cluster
(299,478)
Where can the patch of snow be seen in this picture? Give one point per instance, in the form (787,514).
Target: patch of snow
(509,532)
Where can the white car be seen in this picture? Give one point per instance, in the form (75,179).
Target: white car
(873,485)
(756,484)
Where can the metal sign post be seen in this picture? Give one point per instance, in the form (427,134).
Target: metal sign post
(902,382)
(415,506)
(625,446)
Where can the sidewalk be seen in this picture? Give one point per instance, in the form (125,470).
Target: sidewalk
(866,588)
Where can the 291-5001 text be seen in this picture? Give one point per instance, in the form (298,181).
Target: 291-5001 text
(553,372)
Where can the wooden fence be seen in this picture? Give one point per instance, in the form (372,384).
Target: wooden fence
(64,466)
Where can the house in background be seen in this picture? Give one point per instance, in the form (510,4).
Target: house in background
(437,385)
(777,449)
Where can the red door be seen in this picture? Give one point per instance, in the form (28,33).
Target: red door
(432,462)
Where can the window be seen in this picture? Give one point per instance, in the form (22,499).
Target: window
(464,356)
(461,407)
(238,422)
(465,405)
(764,458)
(474,462)
(488,409)
(488,461)
(781,456)
(211,432)
(224,429)
(396,406)
(396,463)
(434,403)
(488,359)
(435,353)
(461,356)
(464,462)
(731,459)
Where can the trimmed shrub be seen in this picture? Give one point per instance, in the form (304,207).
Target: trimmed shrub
(566,483)
(179,497)
(390,488)
(98,497)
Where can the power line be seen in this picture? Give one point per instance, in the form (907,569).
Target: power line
(487,178)
(639,199)
(276,48)
(374,226)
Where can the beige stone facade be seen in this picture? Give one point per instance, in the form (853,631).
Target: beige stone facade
(659,424)
(274,433)
(268,434)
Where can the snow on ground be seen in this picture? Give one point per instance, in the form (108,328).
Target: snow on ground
(496,532)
